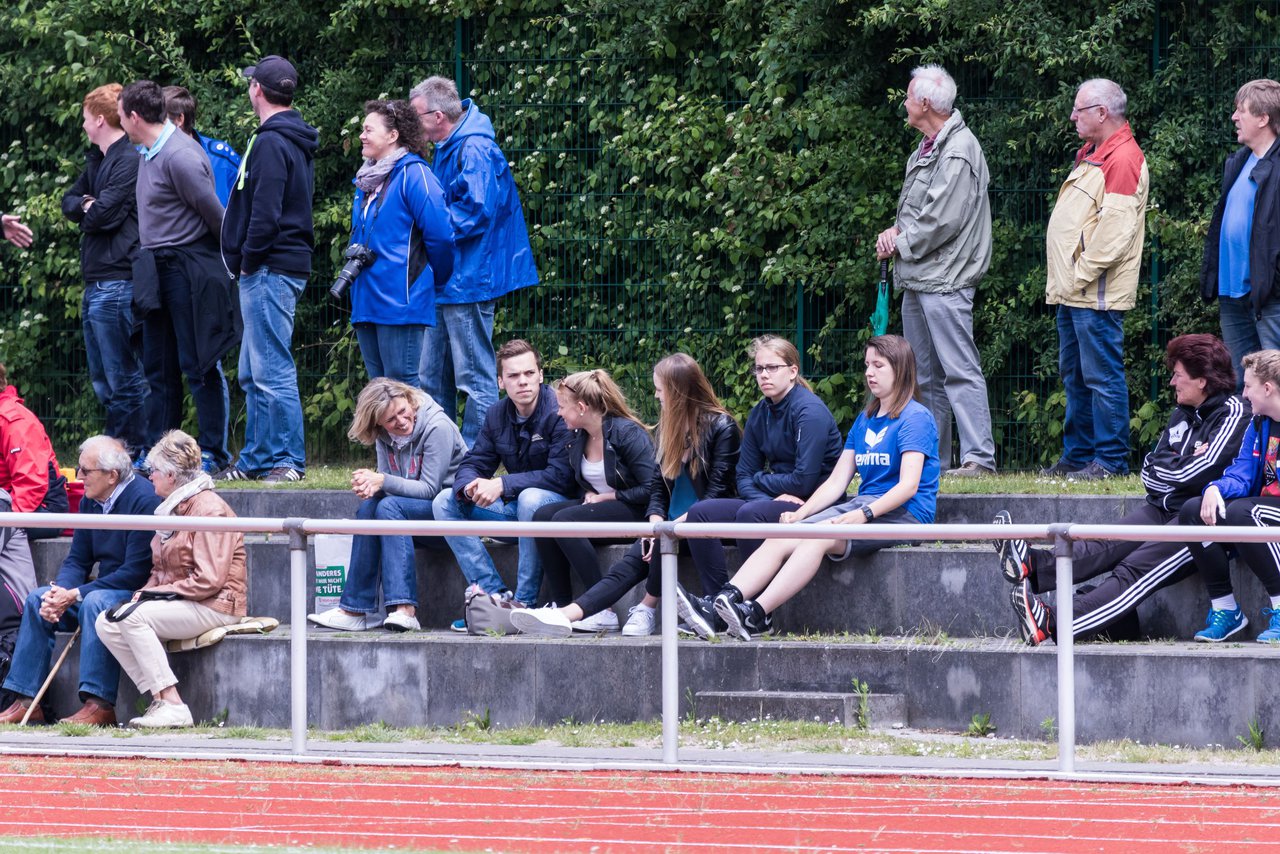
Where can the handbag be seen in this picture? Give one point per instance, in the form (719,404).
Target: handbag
(129,607)
(488,614)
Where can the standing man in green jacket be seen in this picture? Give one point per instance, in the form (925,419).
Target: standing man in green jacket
(942,242)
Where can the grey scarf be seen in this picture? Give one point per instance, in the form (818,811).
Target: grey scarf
(374,172)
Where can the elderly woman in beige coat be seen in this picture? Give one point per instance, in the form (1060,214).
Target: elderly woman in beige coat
(199,575)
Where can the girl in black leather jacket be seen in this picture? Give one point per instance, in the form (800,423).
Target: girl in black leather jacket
(611,456)
(698,442)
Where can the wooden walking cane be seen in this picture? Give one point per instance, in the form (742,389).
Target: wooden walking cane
(35,701)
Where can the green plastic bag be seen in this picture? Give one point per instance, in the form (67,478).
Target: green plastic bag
(880,317)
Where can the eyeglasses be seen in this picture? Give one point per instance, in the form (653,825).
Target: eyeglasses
(81,471)
(1076,110)
(761,370)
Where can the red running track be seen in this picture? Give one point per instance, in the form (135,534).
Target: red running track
(348,807)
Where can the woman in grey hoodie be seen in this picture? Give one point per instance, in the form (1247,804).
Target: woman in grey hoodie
(419,449)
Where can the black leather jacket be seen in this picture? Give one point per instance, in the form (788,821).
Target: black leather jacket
(629,464)
(717,466)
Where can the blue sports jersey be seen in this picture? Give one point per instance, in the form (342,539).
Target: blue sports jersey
(878,445)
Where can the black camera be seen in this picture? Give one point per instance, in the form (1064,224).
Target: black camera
(357,257)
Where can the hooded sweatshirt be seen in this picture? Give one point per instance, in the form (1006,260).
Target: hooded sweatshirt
(493,256)
(426,464)
(268,219)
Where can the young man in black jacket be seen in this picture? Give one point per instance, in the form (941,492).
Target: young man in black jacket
(103,204)
(267,238)
(1201,439)
(524,434)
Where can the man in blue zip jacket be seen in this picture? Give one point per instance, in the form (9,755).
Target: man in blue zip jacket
(493,255)
(123,559)
(267,239)
(525,435)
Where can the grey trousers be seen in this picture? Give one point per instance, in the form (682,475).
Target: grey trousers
(940,329)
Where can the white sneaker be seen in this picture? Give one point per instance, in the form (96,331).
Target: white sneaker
(165,715)
(603,621)
(399,621)
(641,621)
(336,618)
(545,622)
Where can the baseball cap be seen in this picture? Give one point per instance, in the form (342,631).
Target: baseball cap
(274,72)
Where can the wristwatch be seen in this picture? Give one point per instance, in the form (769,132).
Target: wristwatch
(868,512)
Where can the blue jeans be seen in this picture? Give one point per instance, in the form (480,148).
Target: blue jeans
(383,559)
(273,411)
(458,356)
(473,558)
(1244,333)
(114,352)
(99,672)
(169,337)
(1091,359)
(391,351)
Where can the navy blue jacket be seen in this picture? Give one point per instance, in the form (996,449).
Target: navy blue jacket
(123,557)
(788,448)
(718,458)
(535,453)
(268,218)
(629,464)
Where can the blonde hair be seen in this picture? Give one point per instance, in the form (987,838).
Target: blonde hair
(784,349)
(372,405)
(176,454)
(1265,365)
(689,405)
(897,351)
(597,390)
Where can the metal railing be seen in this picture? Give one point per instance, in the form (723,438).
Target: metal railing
(668,534)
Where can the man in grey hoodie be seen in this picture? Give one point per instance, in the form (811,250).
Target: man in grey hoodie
(942,242)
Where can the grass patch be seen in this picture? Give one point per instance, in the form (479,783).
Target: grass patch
(318,477)
(1033,484)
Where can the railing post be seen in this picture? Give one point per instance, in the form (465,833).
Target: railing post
(669,548)
(1066,648)
(297,633)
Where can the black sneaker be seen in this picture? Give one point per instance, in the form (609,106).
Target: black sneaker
(233,473)
(1015,558)
(1035,620)
(699,614)
(282,474)
(1059,469)
(1093,471)
(743,620)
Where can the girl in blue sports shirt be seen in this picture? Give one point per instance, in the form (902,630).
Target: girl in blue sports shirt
(894,446)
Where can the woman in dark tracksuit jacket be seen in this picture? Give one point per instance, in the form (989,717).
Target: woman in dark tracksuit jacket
(611,456)
(698,444)
(1247,494)
(789,447)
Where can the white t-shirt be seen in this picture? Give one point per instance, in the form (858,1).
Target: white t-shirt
(593,473)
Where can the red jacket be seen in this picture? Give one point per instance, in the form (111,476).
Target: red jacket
(25,453)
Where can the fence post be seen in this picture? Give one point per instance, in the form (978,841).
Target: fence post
(669,548)
(1066,649)
(297,633)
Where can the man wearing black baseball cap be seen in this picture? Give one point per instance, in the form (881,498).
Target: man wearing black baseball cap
(267,236)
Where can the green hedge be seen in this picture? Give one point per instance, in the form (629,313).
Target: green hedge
(694,172)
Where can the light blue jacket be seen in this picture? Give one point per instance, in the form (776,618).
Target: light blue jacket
(407,227)
(493,255)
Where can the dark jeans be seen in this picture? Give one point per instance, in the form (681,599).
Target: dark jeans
(1214,561)
(560,554)
(708,555)
(1130,572)
(624,575)
(113,349)
(169,337)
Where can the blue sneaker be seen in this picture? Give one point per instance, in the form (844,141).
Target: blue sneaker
(210,467)
(459,626)
(1272,633)
(1222,625)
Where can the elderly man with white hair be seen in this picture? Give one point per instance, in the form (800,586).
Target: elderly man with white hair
(1094,249)
(941,240)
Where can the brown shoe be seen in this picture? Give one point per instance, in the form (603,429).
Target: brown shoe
(93,714)
(13,714)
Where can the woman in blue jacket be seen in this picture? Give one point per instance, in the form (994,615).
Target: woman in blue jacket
(789,447)
(399,215)
(611,456)
(1247,494)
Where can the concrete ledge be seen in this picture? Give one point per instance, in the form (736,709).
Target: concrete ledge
(883,710)
(1168,693)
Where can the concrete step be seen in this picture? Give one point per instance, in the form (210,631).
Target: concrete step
(1167,693)
(882,710)
(925,591)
